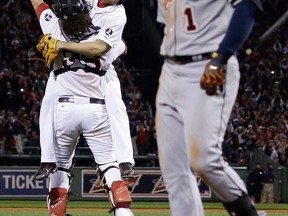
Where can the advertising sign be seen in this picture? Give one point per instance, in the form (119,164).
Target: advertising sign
(21,183)
(147,184)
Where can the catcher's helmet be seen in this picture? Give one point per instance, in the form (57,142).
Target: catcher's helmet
(70,9)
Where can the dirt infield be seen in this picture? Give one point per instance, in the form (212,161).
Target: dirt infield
(282,211)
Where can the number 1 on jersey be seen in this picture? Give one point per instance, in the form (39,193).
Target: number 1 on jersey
(191,26)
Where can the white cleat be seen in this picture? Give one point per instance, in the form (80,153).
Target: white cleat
(123,212)
(262,213)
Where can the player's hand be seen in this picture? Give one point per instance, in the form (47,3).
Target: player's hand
(47,46)
(213,78)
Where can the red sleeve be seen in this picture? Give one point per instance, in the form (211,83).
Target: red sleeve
(100,4)
(43,6)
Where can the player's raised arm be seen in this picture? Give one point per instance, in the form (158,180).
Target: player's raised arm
(36,3)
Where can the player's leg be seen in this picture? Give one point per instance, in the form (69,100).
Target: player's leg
(119,123)
(58,192)
(205,138)
(47,134)
(60,181)
(116,189)
(102,148)
(180,181)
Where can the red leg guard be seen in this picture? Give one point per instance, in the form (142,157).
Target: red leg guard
(58,201)
(121,195)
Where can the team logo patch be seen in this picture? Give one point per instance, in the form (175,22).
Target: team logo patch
(48,17)
(108,32)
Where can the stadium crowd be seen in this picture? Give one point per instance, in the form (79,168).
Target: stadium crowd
(23,79)
(259,118)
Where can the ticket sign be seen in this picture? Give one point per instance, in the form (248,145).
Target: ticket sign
(21,183)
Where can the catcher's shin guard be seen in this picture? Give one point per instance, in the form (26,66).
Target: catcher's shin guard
(58,199)
(116,189)
(120,194)
(243,206)
(120,198)
(59,186)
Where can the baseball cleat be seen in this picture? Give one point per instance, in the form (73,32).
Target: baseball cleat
(262,213)
(126,170)
(45,170)
(123,212)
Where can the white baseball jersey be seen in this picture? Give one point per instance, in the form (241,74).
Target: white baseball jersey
(80,83)
(110,20)
(109,30)
(186,31)
(81,115)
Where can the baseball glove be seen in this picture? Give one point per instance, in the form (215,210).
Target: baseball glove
(47,46)
(213,78)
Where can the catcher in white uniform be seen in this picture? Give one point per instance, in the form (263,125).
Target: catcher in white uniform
(81,87)
(193,107)
(105,18)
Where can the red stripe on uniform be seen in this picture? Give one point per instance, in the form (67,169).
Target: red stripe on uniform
(43,6)
(100,4)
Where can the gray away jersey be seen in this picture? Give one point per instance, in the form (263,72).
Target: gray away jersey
(188,30)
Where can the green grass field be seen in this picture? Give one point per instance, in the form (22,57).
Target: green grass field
(100,208)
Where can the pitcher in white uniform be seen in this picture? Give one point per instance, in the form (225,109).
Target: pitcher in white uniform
(191,122)
(80,86)
(108,20)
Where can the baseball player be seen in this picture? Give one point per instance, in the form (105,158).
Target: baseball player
(108,18)
(81,87)
(191,117)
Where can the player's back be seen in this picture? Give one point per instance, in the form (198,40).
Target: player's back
(193,26)
(77,74)
(83,75)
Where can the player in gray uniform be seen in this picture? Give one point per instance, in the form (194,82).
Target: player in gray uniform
(190,122)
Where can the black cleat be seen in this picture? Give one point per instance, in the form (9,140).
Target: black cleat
(45,170)
(126,170)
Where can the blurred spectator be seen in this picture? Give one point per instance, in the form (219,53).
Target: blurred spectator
(18,134)
(274,154)
(133,131)
(153,141)
(142,138)
(240,131)
(267,195)
(283,160)
(255,182)
(33,139)
(241,157)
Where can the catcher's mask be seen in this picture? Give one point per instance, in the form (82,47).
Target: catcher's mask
(70,9)
(73,17)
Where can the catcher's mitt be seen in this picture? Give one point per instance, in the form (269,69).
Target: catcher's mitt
(213,77)
(47,46)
